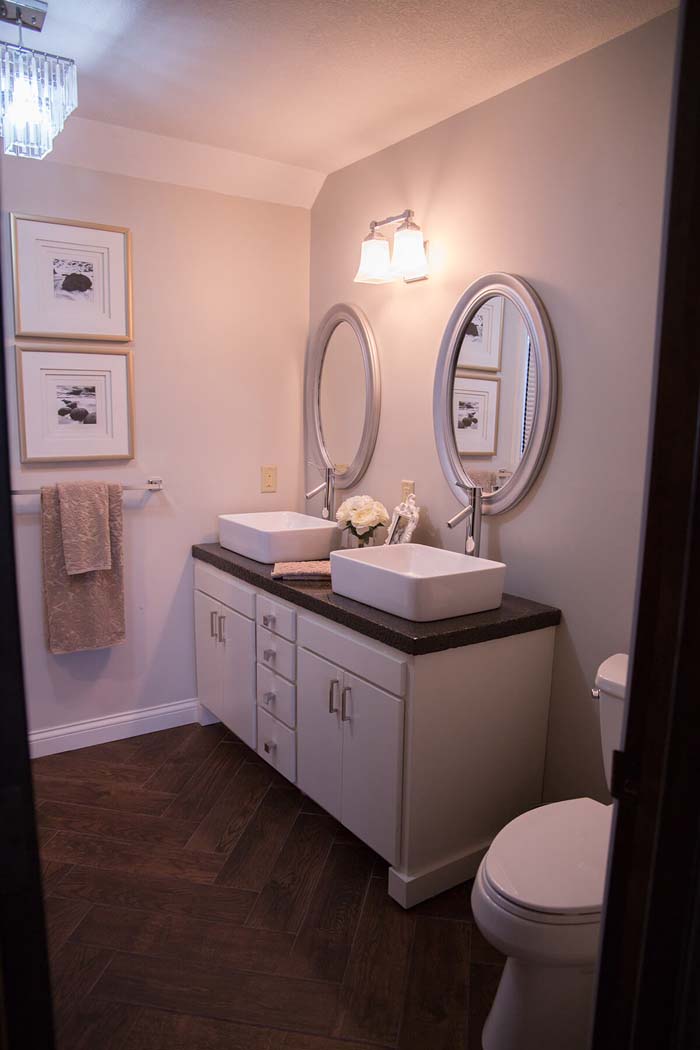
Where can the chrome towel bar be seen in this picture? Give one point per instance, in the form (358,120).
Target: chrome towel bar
(152,485)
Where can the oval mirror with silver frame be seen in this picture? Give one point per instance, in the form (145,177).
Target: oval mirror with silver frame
(495,393)
(342,394)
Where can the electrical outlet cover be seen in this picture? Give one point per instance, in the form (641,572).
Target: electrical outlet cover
(268,479)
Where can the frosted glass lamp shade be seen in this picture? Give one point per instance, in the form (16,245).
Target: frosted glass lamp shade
(37,93)
(409,259)
(374,261)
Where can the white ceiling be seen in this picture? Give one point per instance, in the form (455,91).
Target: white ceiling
(314,83)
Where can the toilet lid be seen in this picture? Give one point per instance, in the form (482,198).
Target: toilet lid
(553,859)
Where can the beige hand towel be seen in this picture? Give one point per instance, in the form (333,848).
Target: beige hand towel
(302,570)
(84,510)
(84,610)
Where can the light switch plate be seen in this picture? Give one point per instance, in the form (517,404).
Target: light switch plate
(268,479)
(407,487)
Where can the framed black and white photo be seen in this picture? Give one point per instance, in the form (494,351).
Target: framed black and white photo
(75,404)
(482,339)
(475,414)
(72,280)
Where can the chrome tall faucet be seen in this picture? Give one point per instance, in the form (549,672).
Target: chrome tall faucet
(327,486)
(472,513)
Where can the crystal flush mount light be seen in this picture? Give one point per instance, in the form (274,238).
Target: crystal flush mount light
(37,91)
(408,260)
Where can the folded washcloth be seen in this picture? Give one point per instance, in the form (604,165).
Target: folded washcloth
(302,570)
(84,510)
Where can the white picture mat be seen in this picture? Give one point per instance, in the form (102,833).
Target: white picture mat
(40,311)
(472,396)
(44,436)
(56,390)
(484,351)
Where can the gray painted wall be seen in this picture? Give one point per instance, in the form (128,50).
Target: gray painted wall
(560,180)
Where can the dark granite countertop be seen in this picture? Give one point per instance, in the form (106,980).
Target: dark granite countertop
(515,616)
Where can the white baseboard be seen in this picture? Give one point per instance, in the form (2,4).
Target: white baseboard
(409,890)
(116,727)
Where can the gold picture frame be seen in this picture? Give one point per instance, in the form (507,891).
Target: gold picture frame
(474,387)
(115,288)
(480,350)
(33,399)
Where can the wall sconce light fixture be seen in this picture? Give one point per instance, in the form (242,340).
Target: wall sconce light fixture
(408,260)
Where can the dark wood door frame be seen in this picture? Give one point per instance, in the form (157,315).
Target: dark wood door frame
(25,995)
(649,990)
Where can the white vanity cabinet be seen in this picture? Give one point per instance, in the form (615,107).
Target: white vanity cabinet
(350,751)
(276,675)
(224,621)
(424,756)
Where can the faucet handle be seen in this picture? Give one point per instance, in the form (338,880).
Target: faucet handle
(459,516)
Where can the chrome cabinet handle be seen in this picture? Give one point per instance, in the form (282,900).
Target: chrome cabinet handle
(595,693)
(344,717)
(269,746)
(269,655)
(222,622)
(331,693)
(269,698)
(212,623)
(268,620)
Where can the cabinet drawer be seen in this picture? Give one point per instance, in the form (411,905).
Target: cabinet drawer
(276,653)
(238,596)
(277,695)
(277,745)
(277,617)
(375,662)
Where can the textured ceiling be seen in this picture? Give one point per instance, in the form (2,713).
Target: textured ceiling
(316,83)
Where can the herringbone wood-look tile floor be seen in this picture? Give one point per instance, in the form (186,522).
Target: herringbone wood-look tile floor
(197,901)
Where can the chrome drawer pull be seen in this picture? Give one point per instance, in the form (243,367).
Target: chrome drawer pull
(269,698)
(269,746)
(222,622)
(331,693)
(269,655)
(344,717)
(268,620)
(212,623)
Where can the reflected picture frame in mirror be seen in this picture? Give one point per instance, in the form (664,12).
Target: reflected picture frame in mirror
(450,368)
(317,450)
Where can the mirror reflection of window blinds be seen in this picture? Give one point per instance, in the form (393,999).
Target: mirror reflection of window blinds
(530,399)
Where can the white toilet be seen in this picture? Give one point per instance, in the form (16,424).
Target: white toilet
(538,897)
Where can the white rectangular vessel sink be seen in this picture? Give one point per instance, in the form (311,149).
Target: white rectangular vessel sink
(278,535)
(418,582)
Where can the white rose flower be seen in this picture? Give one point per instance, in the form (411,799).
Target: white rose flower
(369,517)
(362,514)
(348,508)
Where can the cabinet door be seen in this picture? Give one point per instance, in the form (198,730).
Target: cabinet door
(236,636)
(319,737)
(372,723)
(206,621)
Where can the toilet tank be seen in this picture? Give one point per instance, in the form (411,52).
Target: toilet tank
(611,681)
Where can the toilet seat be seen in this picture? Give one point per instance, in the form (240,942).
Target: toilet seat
(529,915)
(548,865)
